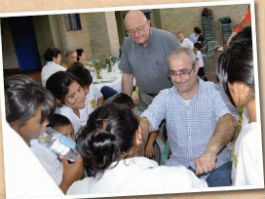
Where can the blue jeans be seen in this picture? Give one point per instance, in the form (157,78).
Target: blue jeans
(220,176)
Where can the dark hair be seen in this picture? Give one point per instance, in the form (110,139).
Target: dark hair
(197,45)
(79,52)
(84,76)
(197,30)
(58,84)
(109,133)
(58,120)
(236,63)
(124,100)
(51,53)
(24,96)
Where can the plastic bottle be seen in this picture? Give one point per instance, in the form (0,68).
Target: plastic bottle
(59,144)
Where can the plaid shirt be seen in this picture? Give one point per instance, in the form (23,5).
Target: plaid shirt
(190,127)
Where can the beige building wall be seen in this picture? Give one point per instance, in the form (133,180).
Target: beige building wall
(9,52)
(112,33)
(72,40)
(98,35)
(185,19)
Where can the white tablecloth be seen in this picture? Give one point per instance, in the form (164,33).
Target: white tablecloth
(112,79)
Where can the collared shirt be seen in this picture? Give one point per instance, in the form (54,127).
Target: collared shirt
(149,64)
(190,127)
(138,175)
(48,70)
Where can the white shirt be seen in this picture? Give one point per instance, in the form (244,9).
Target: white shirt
(77,122)
(24,175)
(187,43)
(199,59)
(138,175)
(48,70)
(49,161)
(93,95)
(247,159)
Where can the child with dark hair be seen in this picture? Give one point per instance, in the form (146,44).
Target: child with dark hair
(149,152)
(70,98)
(196,36)
(112,139)
(28,109)
(124,100)
(199,60)
(62,125)
(53,57)
(93,95)
(235,71)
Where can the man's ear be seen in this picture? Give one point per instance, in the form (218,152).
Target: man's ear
(197,67)
(148,22)
(138,136)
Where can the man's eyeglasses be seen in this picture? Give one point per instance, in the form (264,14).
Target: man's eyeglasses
(138,29)
(181,73)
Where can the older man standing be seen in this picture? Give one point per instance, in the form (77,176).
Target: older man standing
(144,56)
(199,120)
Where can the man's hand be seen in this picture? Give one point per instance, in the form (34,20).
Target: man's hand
(205,163)
(71,173)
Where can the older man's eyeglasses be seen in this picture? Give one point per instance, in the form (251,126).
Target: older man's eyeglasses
(137,30)
(182,73)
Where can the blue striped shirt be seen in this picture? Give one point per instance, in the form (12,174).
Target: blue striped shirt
(190,128)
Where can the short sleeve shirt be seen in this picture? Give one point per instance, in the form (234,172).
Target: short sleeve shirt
(149,64)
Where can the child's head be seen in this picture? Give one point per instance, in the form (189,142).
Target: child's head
(196,46)
(197,30)
(62,125)
(235,69)
(82,74)
(28,106)
(124,100)
(66,89)
(110,133)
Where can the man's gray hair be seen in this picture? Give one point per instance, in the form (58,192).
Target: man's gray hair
(181,50)
(69,52)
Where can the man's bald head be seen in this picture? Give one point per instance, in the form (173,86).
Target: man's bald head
(134,15)
(138,26)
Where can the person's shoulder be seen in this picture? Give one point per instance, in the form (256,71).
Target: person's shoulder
(166,92)
(209,86)
(127,42)
(64,110)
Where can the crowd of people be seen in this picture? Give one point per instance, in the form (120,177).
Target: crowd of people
(200,116)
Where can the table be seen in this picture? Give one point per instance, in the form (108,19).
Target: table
(112,79)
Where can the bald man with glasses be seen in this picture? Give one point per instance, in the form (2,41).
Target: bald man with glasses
(200,120)
(144,57)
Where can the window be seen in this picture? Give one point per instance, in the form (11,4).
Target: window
(72,22)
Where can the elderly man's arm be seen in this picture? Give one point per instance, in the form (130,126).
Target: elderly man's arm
(127,83)
(223,134)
